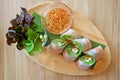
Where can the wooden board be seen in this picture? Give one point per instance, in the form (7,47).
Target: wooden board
(85,28)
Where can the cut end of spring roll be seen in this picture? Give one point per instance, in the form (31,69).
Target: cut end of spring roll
(72,51)
(67,57)
(85,62)
(56,47)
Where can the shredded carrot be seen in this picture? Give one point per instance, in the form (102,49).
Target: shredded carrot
(57,20)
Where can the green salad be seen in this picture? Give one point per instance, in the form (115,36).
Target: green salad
(27,32)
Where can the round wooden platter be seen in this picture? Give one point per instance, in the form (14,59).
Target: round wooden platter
(57,64)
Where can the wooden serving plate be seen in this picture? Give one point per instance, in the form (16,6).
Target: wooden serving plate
(57,64)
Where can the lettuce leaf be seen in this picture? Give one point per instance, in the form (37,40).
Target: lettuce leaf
(29,45)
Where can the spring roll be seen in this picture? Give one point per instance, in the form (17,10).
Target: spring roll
(85,42)
(56,47)
(72,51)
(70,35)
(96,53)
(85,62)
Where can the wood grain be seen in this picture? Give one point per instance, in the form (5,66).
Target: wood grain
(15,65)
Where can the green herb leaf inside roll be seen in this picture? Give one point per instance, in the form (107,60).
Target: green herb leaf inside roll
(85,62)
(57,46)
(72,51)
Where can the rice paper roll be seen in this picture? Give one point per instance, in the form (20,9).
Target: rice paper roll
(96,53)
(85,62)
(70,35)
(85,42)
(56,46)
(72,52)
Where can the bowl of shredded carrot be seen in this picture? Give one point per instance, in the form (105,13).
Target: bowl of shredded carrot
(57,17)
